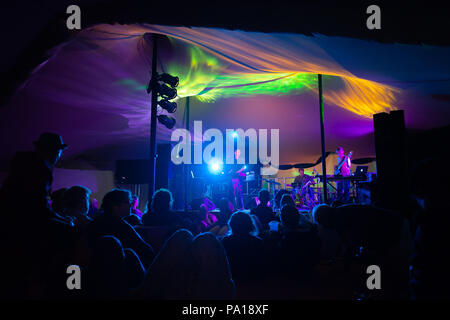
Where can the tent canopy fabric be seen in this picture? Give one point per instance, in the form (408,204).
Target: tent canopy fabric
(92,90)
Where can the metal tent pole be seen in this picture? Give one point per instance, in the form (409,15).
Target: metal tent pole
(151,189)
(186,166)
(322,138)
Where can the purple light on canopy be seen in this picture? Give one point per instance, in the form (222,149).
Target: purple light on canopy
(92,90)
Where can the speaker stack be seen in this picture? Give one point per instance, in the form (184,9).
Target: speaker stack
(134,174)
(391,158)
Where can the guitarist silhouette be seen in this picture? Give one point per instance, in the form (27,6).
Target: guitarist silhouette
(343,168)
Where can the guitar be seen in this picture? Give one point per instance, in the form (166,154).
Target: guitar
(235,174)
(337,169)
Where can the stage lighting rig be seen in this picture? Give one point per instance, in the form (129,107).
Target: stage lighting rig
(170,80)
(168,122)
(164,86)
(165,91)
(167,105)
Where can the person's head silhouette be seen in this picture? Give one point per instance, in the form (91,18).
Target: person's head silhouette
(50,147)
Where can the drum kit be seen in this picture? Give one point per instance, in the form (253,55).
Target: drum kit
(306,195)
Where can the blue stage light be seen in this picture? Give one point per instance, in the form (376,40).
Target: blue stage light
(215,166)
(234,134)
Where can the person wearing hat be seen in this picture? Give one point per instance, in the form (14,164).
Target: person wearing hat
(29,179)
(26,216)
(50,146)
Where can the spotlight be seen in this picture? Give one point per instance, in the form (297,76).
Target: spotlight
(215,166)
(166,92)
(168,122)
(163,86)
(170,80)
(171,107)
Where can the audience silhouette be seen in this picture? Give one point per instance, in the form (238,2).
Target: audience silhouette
(210,275)
(213,254)
(160,212)
(115,207)
(113,271)
(263,211)
(76,205)
(168,276)
(244,248)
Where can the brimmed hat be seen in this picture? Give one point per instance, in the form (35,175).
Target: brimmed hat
(50,141)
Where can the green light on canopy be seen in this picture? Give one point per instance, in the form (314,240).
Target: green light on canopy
(132,84)
(208,79)
(257,84)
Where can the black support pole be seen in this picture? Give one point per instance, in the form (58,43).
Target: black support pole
(151,189)
(322,138)
(186,166)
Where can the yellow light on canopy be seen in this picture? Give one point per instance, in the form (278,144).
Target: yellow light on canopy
(224,63)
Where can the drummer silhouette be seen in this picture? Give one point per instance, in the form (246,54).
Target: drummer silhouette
(303,184)
(301,178)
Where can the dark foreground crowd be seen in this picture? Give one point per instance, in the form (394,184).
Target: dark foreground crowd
(212,253)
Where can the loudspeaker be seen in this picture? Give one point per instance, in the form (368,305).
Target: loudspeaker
(132,171)
(391,156)
(138,171)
